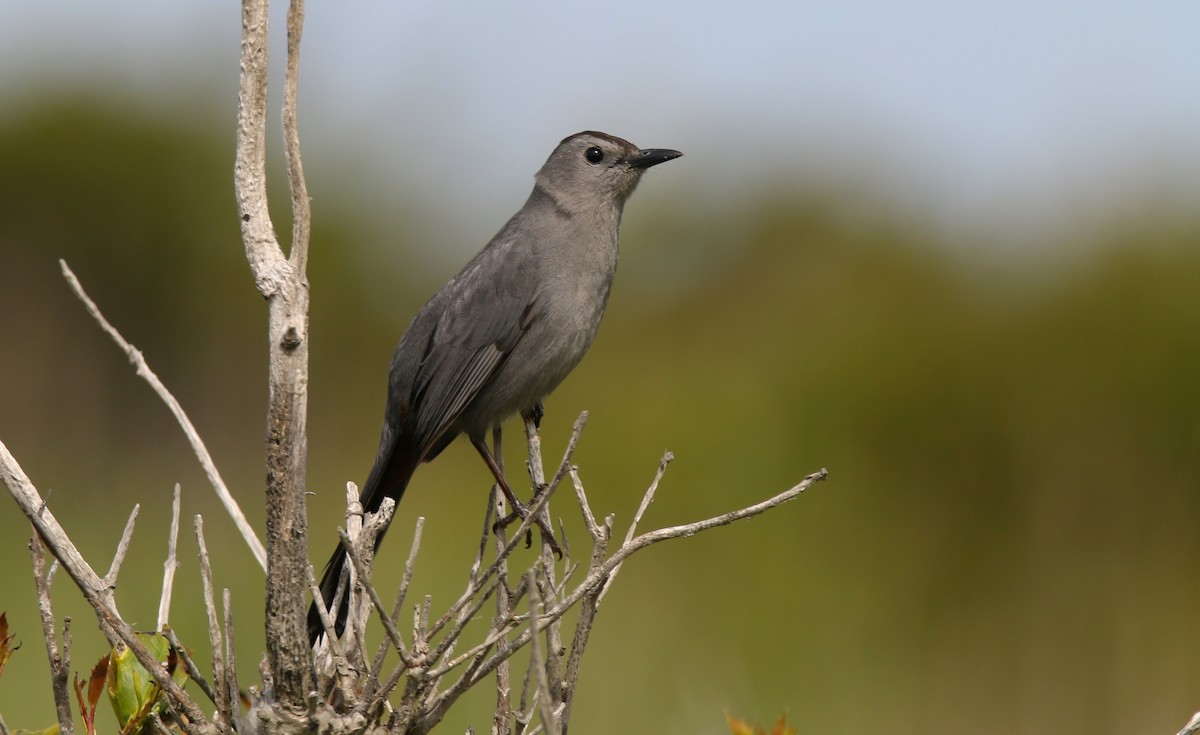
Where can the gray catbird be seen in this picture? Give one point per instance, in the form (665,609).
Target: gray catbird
(505,331)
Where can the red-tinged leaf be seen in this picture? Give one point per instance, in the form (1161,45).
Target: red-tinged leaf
(737,726)
(741,727)
(96,681)
(6,647)
(87,709)
(781,727)
(78,685)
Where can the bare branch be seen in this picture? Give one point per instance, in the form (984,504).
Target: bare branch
(504,551)
(189,665)
(363,570)
(589,519)
(549,669)
(409,565)
(114,569)
(60,664)
(170,565)
(285,286)
(156,724)
(193,437)
(223,700)
(51,533)
(687,529)
(301,206)
(98,595)
(230,659)
(539,662)
(589,605)
(647,499)
(598,574)
(370,688)
(569,452)
(201,451)
(1192,727)
(322,608)
(502,714)
(267,264)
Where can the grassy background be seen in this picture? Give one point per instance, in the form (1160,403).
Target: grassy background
(1006,542)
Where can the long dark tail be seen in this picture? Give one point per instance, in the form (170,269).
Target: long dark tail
(388,479)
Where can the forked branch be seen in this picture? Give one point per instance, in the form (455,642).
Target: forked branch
(441,662)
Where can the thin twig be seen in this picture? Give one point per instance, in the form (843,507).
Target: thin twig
(189,665)
(327,622)
(223,701)
(647,499)
(688,529)
(525,719)
(230,661)
(156,724)
(377,664)
(588,605)
(301,206)
(539,660)
(409,565)
(553,631)
(170,565)
(357,612)
(98,595)
(502,714)
(537,474)
(467,614)
(499,630)
(595,577)
(476,585)
(589,519)
(484,536)
(1192,727)
(60,664)
(569,452)
(110,579)
(364,581)
(193,437)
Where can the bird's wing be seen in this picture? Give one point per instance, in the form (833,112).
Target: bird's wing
(441,406)
(478,323)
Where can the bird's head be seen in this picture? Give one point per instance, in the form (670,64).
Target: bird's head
(590,168)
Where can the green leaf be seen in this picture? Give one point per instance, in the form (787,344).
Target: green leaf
(132,690)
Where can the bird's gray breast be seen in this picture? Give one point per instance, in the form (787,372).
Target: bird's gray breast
(574,270)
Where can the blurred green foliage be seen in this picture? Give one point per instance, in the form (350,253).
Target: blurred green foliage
(1006,543)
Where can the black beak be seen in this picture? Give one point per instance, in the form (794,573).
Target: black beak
(651,157)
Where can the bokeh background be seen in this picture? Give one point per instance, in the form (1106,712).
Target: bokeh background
(950,251)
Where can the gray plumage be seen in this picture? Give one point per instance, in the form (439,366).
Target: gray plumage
(508,328)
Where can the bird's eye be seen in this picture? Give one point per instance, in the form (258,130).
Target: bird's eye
(594,155)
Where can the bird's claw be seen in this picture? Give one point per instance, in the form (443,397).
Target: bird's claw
(521,512)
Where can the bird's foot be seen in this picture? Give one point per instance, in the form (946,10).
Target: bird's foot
(535,414)
(521,512)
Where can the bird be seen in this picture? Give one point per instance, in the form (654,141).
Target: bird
(505,331)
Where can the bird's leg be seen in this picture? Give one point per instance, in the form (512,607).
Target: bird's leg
(519,508)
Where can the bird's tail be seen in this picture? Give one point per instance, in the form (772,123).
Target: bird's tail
(388,479)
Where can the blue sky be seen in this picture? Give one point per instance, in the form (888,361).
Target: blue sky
(961,108)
